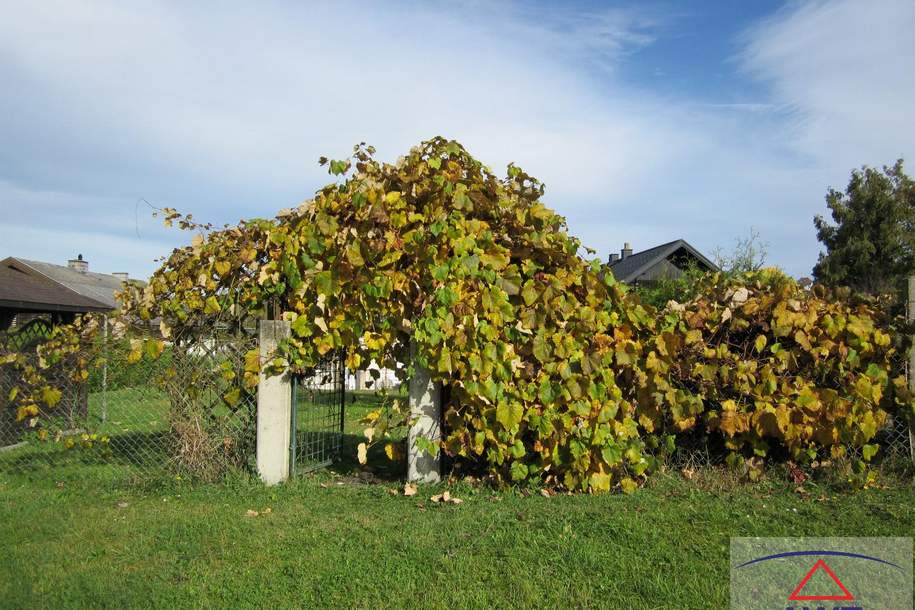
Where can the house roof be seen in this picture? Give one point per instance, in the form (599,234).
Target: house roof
(39,286)
(630,268)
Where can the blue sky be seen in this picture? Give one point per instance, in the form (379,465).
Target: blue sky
(648,121)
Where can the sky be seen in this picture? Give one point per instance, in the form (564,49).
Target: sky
(647,121)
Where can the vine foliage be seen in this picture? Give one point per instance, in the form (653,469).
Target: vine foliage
(557,373)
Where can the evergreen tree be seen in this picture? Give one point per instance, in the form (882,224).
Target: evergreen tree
(871,245)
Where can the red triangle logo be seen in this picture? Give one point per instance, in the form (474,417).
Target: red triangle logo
(820,565)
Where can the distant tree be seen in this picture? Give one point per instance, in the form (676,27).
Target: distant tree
(871,245)
(749,254)
(680,289)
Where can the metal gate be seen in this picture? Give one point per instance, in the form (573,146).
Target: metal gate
(318,400)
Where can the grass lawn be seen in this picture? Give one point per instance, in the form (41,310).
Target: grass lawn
(77,539)
(76,535)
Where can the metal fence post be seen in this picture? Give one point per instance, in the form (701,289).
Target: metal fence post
(105,369)
(910,316)
(274,408)
(426,414)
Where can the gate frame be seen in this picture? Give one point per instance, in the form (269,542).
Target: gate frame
(293,419)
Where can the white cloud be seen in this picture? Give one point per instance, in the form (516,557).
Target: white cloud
(224,111)
(845,71)
(196,111)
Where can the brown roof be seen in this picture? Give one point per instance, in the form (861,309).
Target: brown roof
(97,286)
(24,288)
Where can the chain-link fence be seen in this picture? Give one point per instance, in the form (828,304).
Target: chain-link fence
(318,405)
(144,405)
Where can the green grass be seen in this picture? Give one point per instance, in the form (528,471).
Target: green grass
(76,534)
(77,538)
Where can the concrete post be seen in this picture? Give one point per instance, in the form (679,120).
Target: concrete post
(426,413)
(910,316)
(274,409)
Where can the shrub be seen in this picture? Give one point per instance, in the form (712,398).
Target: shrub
(777,370)
(556,372)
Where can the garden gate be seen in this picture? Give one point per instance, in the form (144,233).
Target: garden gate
(318,402)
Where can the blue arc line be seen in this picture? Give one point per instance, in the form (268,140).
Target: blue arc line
(833,553)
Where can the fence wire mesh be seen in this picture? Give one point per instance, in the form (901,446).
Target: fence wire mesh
(318,403)
(184,411)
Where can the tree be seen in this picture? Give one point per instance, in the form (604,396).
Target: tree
(871,245)
(749,255)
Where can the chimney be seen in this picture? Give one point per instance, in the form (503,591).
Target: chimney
(121,275)
(78,264)
(613,257)
(626,252)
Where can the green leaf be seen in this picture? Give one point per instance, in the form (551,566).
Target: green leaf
(324,283)
(509,414)
(518,471)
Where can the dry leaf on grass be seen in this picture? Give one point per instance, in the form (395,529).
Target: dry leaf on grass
(445,498)
(251,513)
(123,504)
(409,489)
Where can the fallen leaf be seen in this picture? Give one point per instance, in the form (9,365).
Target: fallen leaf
(409,489)
(267,511)
(123,504)
(251,513)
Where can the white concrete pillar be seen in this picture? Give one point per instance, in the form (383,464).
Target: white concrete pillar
(426,413)
(274,409)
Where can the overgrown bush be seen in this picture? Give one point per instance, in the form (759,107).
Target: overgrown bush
(556,372)
(779,371)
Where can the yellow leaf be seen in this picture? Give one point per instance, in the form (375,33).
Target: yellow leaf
(50,396)
(354,255)
(371,417)
(628,485)
(362,450)
(394,451)
(232,397)
(600,481)
(212,306)
(222,267)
